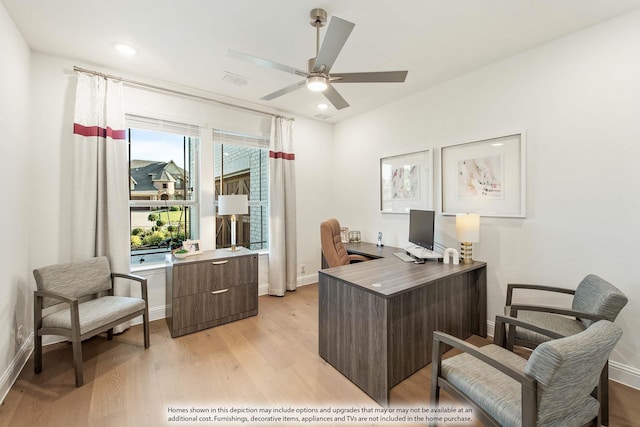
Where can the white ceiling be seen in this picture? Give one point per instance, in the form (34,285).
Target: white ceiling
(185,42)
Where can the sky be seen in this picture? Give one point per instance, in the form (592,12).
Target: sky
(152,145)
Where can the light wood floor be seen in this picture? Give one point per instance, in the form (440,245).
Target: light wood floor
(270,360)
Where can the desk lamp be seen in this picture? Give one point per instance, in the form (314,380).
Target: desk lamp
(467,233)
(236,204)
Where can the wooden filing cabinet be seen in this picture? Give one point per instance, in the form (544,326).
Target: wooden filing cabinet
(210,289)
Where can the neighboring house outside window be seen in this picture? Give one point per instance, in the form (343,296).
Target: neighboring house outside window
(163,187)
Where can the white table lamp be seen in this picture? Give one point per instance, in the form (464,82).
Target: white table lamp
(467,233)
(236,204)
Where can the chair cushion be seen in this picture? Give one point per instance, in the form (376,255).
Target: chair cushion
(500,396)
(492,390)
(95,313)
(567,370)
(561,324)
(597,296)
(75,279)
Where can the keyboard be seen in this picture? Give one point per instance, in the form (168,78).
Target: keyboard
(422,253)
(404,257)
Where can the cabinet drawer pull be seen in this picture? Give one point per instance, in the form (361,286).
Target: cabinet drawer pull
(220,262)
(222,291)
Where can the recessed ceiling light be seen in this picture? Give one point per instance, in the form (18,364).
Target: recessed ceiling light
(497,144)
(125,49)
(323,106)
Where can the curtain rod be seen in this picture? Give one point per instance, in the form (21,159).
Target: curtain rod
(177,92)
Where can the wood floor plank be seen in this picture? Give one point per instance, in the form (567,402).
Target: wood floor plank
(266,360)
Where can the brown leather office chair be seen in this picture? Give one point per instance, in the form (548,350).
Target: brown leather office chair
(332,248)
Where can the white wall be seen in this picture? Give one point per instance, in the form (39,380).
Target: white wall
(53,100)
(578,100)
(15,152)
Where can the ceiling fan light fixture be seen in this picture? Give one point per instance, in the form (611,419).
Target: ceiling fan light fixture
(317,83)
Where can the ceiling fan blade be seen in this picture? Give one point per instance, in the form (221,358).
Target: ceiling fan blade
(373,77)
(283,91)
(265,63)
(334,39)
(335,98)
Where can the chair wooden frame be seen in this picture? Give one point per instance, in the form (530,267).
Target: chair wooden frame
(74,333)
(510,339)
(528,384)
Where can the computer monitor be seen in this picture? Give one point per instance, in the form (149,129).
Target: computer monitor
(421,228)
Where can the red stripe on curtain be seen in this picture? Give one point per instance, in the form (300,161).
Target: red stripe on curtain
(78,129)
(281,155)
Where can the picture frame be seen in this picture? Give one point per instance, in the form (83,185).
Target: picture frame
(193,246)
(406,182)
(487,177)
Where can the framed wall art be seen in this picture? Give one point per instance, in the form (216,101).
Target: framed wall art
(487,177)
(406,182)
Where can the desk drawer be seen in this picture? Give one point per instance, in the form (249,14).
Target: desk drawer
(214,275)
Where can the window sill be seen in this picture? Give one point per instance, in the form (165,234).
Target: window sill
(147,267)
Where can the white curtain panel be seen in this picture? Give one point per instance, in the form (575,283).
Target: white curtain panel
(100,199)
(282,209)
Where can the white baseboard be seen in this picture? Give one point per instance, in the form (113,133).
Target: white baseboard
(156,313)
(308,279)
(618,372)
(10,376)
(624,374)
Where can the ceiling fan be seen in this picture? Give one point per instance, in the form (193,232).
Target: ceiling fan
(318,77)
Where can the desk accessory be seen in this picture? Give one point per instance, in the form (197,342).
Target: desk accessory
(450,252)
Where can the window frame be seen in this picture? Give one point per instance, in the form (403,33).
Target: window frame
(185,131)
(222,138)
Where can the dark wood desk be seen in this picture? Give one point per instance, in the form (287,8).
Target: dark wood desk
(379,335)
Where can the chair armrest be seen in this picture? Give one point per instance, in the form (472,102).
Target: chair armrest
(55,295)
(512,286)
(38,299)
(130,277)
(499,333)
(135,278)
(440,337)
(555,310)
(355,257)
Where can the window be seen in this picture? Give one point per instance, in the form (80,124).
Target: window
(163,187)
(241,166)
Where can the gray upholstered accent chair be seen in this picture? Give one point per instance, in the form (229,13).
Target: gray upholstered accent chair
(593,299)
(83,295)
(333,250)
(552,388)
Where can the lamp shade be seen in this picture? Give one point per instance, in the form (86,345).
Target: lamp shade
(236,204)
(468,228)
